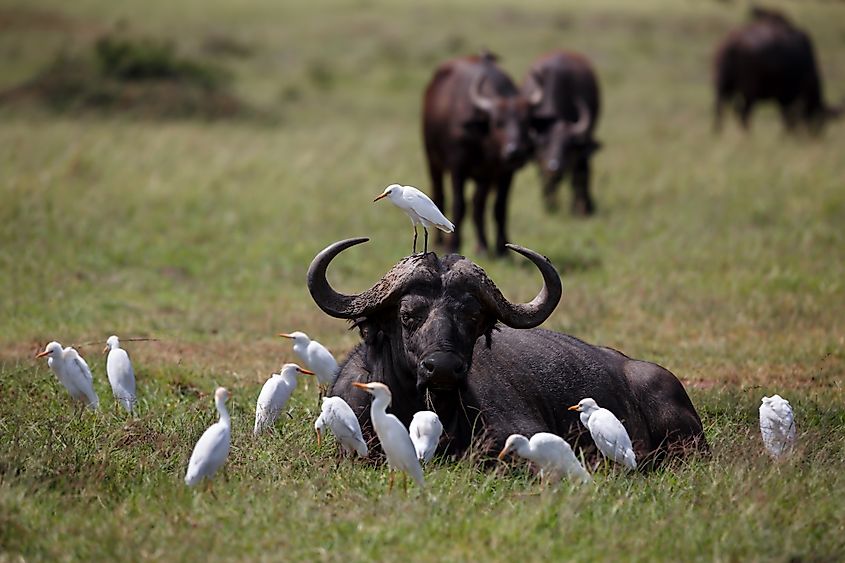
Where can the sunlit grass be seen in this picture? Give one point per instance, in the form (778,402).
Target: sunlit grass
(722,258)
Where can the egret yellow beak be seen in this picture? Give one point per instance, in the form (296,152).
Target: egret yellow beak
(319,438)
(574,408)
(106,349)
(379,197)
(306,371)
(502,454)
(285,335)
(42,354)
(360,386)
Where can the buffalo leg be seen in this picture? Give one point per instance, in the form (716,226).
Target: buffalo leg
(744,109)
(438,196)
(458,209)
(789,115)
(717,114)
(479,205)
(549,183)
(582,204)
(500,212)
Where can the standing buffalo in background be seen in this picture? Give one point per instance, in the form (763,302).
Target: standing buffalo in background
(442,336)
(475,128)
(562,124)
(770,59)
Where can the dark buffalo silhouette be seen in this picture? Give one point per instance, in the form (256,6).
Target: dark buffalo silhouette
(769,58)
(562,124)
(475,128)
(442,336)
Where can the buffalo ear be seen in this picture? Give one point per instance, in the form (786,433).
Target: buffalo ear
(476,128)
(593,146)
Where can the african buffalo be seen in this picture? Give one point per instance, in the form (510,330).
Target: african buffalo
(562,124)
(475,128)
(769,58)
(441,335)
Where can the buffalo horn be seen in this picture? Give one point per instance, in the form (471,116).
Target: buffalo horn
(478,99)
(387,289)
(531,314)
(580,127)
(535,91)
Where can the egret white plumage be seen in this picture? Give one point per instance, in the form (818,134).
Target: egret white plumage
(275,395)
(337,416)
(393,436)
(607,431)
(777,425)
(315,356)
(212,448)
(425,431)
(550,452)
(120,373)
(72,372)
(419,208)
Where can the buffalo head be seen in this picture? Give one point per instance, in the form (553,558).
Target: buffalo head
(556,138)
(420,322)
(504,124)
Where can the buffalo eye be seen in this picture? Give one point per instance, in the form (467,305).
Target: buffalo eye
(411,318)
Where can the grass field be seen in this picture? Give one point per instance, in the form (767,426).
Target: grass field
(721,258)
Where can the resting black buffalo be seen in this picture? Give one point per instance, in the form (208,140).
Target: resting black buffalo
(769,58)
(441,335)
(475,127)
(562,124)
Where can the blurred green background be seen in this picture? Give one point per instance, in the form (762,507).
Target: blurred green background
(190,210)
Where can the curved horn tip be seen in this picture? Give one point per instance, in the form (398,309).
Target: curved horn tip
(346,243)
(523,250)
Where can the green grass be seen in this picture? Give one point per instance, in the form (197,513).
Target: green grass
(722,258)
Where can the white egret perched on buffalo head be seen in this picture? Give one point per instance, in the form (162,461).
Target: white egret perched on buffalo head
(550,452)
(72,372)
(608,433)
(419,208)
(120,373)
(275,395)
(337,416)
(425,431)
(315,356)
(392,435)
(212,448)
(777,425)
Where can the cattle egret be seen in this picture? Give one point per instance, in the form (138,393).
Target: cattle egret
(274,396)
(120,372)
(213,446)
(550,452)
(315,356)
(777,425)
(425,433)
(419,208)
(392,435)
(337,415)
(72,372)
(610,436)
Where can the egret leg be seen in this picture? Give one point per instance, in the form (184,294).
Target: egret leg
(320,396)
(390,481)
(415,239)
(405,483)
(425,244)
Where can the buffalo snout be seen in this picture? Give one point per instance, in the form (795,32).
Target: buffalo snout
(441,370)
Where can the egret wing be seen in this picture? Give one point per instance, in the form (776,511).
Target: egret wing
(425,208)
